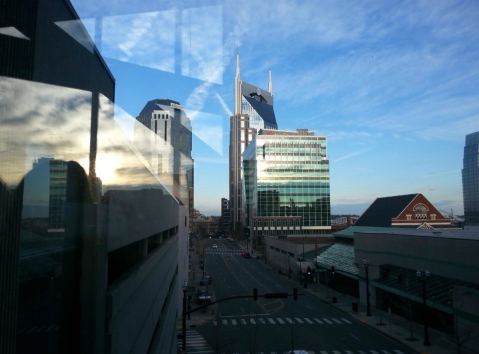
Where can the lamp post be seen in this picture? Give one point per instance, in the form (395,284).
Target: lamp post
(366,267)
(423,277)
(183,341)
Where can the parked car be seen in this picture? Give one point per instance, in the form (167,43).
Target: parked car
(203,297)
(247,255)
(206,280)
(215,245)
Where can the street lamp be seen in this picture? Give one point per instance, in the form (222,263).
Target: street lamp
(183,343)
(423,277)
(366,266)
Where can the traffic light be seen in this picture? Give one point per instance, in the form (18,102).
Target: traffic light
(309,270)
(255,294)
(332,269)
(295,293)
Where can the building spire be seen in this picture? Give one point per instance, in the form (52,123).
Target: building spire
(237,62)
(270,83)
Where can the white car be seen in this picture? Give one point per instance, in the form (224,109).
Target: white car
(215,246)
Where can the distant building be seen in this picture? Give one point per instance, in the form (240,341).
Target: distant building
(286,184)
(411,211)
(225,216)
(253,111)
(470,179)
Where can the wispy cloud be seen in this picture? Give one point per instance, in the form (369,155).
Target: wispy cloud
(352,154)
(223,105)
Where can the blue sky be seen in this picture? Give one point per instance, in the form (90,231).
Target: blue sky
(393,85)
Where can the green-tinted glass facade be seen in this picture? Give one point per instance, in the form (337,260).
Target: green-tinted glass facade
(288,176)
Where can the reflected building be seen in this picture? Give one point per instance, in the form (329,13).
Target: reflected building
(168,149)
(253,111)
(286,184)
(93,245)
(470,179)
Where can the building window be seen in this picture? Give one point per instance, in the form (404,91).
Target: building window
(433,216)
(408,216)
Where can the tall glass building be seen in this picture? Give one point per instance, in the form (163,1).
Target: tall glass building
(470,179)
(286,183)
(253,111)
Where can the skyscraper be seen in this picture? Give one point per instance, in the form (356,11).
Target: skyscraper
(470,179)
(253,111)
(286,183)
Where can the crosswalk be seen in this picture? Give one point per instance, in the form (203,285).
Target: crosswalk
(224,251)
(39,329)
(282,321)
(195,343)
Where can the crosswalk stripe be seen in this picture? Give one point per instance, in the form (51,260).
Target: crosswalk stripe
(323,352)
(374,352)
(289,320)
(31,329)
(243,321)
(252,321)
(262,320)
(398,352)
(349,352)
(298,320)
(386,351)
(308,320)
(280,320)
(336,352)
(319,321)
(336,320)
(234,322)
(50,328)
(271,321)
(225,322)
(362,352)
(327,321)
(345,320)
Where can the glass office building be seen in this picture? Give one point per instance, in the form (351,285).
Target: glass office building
(470,179)
(286,183)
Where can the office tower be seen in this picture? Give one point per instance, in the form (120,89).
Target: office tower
(286,183)
(470,179)
(169,149)
(253,111)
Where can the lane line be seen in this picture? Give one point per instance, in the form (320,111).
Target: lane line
(355,337)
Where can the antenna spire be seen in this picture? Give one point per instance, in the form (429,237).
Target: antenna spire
(237,62)
(270,83)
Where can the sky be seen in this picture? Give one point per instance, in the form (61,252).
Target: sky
(394,86)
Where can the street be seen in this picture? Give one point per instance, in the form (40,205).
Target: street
(276,325)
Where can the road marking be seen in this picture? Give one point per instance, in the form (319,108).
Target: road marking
(349,352)
(50,328)
(309,307)
(323,352)
(225,322)
(271,321)
(355,337)
(362,352)
(241,309)
(234,322)
(337,321)
(289,320)
(31,330)
(327,321)
(280,320)
(398,352)
(345,320)
(336,352)
(308,320)
(243,321)
(319,321)
(374,352)
(252,321)
(386,351)
(262,320)
(298,320)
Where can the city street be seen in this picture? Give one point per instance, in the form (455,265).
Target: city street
(276,325)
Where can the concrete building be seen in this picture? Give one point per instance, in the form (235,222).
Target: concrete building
(93,247)
(286,184)
(452,286)
(470,179)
